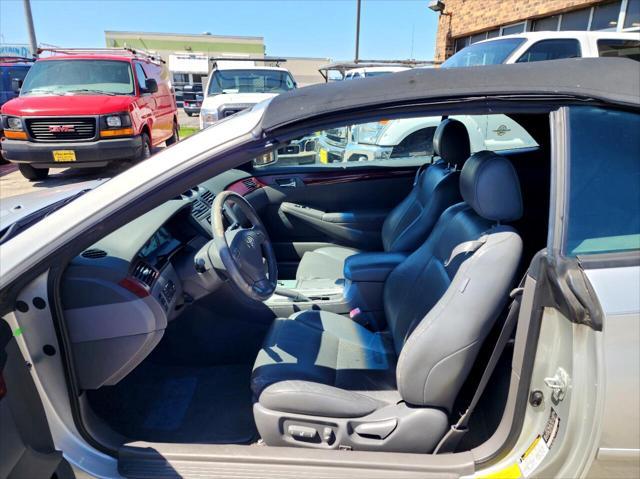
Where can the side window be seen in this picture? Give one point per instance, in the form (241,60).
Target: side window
(289,82)
(141,77)
(619,48)
(398,142)
(151,71)
(604,179)
(551,50)
(495,132)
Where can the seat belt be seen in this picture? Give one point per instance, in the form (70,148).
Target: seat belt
(452,438)
(466,248)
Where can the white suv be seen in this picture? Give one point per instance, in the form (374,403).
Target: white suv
(234,86)
(539,46)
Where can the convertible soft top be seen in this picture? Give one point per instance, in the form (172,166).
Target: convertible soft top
(611,80)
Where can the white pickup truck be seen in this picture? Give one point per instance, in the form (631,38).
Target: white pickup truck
(234,86)
(412,136)
(539,46)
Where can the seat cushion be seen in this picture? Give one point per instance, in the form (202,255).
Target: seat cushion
(324,263)
(315,399)
(329,349)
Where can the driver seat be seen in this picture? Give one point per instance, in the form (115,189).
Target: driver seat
(322,380)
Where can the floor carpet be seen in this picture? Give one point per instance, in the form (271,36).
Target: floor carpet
(178,404)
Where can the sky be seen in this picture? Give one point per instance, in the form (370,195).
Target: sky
(390,29)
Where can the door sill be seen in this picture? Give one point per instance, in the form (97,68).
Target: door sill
(146,460)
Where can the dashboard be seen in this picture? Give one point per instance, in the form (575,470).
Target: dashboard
(119,295)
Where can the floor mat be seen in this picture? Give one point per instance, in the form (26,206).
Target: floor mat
(164,403)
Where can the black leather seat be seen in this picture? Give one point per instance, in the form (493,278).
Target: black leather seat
(322,380)
(409,223)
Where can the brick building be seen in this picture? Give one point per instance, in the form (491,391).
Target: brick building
(463,22)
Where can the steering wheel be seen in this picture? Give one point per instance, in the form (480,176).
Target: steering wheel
(246,253)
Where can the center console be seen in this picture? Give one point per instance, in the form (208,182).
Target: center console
(358,295)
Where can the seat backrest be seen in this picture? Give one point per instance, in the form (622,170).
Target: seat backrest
(440,308)
(436,188)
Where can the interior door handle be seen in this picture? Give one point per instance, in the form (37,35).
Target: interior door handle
(286,182)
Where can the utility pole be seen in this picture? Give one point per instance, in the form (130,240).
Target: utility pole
(30,29)
(357,31)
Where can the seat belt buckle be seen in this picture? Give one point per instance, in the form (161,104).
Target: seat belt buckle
(362,319)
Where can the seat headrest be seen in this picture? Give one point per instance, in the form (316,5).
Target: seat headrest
(451,142)
(490,185)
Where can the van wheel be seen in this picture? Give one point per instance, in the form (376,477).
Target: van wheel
(175,137)
(146,147)
(189,113)
(33,174)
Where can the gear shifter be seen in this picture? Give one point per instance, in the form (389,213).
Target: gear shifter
(294,295)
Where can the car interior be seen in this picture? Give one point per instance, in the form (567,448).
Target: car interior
(324,304)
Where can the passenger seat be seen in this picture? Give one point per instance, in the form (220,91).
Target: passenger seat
(408,224)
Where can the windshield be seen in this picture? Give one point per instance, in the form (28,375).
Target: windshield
(250,81)
(377,73)
(60,77)
(485,53)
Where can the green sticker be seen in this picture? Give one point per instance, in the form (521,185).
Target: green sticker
(17,332)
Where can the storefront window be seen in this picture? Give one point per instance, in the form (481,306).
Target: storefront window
(547,24)
(605,17)
(578,20)
(478,37)
(511,29)
(632,16)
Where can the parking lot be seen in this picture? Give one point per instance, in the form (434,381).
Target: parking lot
(12,183)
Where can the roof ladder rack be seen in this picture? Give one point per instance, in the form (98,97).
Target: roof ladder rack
(275,60)
(126,51)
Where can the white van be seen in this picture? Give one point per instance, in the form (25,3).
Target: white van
(237,84)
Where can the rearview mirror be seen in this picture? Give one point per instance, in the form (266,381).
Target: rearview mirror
(16,84)
(266,159)
(151,86)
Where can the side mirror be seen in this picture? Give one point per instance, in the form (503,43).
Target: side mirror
(151,86)
(16,84)
(266,159)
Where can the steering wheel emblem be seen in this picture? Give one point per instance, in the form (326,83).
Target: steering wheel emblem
(251,241)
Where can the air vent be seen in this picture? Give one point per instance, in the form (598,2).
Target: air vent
(250,183)
(94,253)
(144,273)
(200,210)
(207,197)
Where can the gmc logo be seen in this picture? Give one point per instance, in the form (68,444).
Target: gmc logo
(61,128)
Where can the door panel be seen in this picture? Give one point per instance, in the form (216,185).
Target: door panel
(304,210)
(619,446)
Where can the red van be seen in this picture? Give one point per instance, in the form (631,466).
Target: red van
(87,108)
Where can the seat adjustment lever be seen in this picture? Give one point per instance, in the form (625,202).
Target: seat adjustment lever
(376,430)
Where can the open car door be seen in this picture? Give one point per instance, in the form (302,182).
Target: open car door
(26,445)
